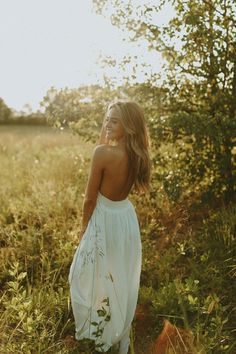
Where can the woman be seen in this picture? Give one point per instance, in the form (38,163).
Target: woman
(105,272)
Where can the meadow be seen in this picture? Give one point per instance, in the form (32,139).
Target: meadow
(188,269)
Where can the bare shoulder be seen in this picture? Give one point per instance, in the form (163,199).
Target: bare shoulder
(103,153)
(107,154)
(108,150)
(102,150)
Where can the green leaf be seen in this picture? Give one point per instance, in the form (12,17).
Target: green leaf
(94,323)
(101,313)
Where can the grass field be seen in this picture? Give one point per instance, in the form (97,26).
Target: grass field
(188,269)
(42,180)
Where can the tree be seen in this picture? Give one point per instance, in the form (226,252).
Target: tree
(5,112)
(199,46)
(81,109)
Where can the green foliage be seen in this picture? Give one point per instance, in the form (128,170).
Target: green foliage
(104,315)
(5,112)
(192,283)
(81,109)
(188,271)
(32,317)
(39,222)
(7,116)
(33,118)
(199,109)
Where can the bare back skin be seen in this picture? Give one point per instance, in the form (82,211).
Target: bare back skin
(115,183)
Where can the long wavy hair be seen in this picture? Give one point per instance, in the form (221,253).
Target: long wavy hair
(136,142)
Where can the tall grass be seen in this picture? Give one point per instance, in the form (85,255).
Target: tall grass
(188,266)
(42,179)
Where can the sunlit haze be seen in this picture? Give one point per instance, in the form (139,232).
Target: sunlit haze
(56,43)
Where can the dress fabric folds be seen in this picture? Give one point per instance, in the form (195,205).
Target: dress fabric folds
(104,275)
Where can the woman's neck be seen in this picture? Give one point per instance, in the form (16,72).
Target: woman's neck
(119,143)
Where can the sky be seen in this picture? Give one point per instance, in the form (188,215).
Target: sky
(57,43)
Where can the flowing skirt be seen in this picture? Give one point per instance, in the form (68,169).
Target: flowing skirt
(104,275)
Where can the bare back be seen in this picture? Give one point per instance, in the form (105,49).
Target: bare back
(115,183)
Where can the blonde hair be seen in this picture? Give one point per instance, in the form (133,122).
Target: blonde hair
(136,142)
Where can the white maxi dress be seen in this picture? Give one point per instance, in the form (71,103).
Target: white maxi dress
(104,275)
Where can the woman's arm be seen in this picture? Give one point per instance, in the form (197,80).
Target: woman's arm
(95,177)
